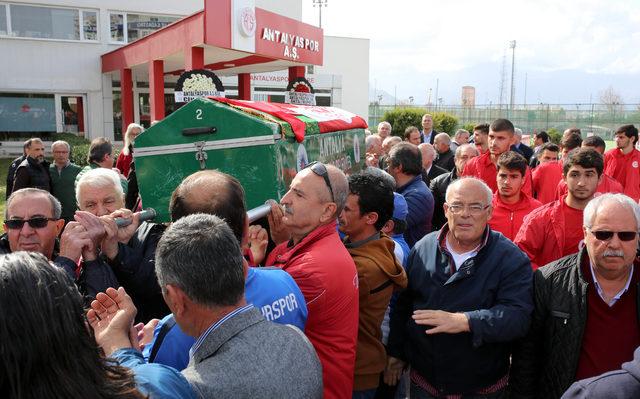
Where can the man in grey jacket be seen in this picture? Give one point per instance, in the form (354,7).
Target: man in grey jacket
(237,352)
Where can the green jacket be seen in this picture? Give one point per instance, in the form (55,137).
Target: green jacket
(63,188)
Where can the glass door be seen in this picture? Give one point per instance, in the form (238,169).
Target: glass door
(71,114)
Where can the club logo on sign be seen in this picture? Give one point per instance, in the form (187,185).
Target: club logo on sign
(248,22)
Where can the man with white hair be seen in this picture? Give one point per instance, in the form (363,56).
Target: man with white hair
(129,250)
(468,299)
(519,146)
(384,130)
(586,319)
(444,159)
(373,143)
(429,170)
(461,137)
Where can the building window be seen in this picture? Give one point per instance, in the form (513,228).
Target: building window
(38,22)
(137,25)
(3,20)
(117,27)
(89,25)
(27,113)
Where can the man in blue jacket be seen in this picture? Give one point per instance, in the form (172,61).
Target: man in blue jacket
(405,165)
(469,297)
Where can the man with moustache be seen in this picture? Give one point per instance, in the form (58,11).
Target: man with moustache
(33,172)
(317,260)
(585,320)
(555,229)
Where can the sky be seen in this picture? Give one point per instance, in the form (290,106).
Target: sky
(566,51)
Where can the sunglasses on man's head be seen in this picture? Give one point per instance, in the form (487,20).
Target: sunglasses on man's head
(321,170)
(604,235)
(35,223)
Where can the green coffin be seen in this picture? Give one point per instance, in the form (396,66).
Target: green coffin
(259,149)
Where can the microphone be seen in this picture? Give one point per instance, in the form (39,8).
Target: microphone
(147,214)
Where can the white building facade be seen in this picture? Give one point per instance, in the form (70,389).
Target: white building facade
(51,79)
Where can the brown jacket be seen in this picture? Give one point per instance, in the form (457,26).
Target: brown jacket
(379,274)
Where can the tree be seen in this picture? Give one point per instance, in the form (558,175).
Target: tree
(612,99)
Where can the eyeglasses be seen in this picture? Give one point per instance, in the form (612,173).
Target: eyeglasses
(604,235)
(34,223)
(474,209)
(321,170)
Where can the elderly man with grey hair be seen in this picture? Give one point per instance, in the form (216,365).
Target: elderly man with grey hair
(468,299)
(238,353)
(586,319)
(373,144)
(384,130)
(429,170)
(442,144)
(312,253)
(459,138)
(63,176)
(519,146)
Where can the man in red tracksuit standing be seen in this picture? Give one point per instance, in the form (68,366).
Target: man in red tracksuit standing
(312,253)
(547,176)
(623,163)
(510,204)
(501,137)
(554,230)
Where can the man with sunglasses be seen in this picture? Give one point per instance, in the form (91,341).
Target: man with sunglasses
(586,319)
(32,223)
(554,230)
(323,269)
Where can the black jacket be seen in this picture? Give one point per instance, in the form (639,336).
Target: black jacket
(11,173)
(135,269)
(523,150)
(445,160)
(434,172)
(438,188)
(545,362)
(30,173)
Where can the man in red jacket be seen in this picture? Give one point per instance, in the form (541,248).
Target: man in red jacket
(312,253)
(501,137)
(547,176)
(608,184)
(623,163)
(555,229)
(510,204)
(481,137)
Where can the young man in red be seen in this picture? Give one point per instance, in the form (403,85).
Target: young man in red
(547,175)
(481,137)
(623,163)
(510,204)
(608,184)
(501,137)
(554,230)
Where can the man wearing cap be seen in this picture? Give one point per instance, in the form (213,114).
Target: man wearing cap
(369,205)
(312,253)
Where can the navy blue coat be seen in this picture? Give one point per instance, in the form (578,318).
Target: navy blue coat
(494,290)
(420,203)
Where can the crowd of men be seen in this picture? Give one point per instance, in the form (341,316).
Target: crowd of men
(464,267)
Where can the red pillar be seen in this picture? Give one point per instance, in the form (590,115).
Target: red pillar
(296,72)
(193,58)
(244,86)
(126,97)
(156,89)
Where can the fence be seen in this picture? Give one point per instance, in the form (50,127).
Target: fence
(600,119)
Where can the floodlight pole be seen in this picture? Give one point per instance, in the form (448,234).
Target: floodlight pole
(319,4)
